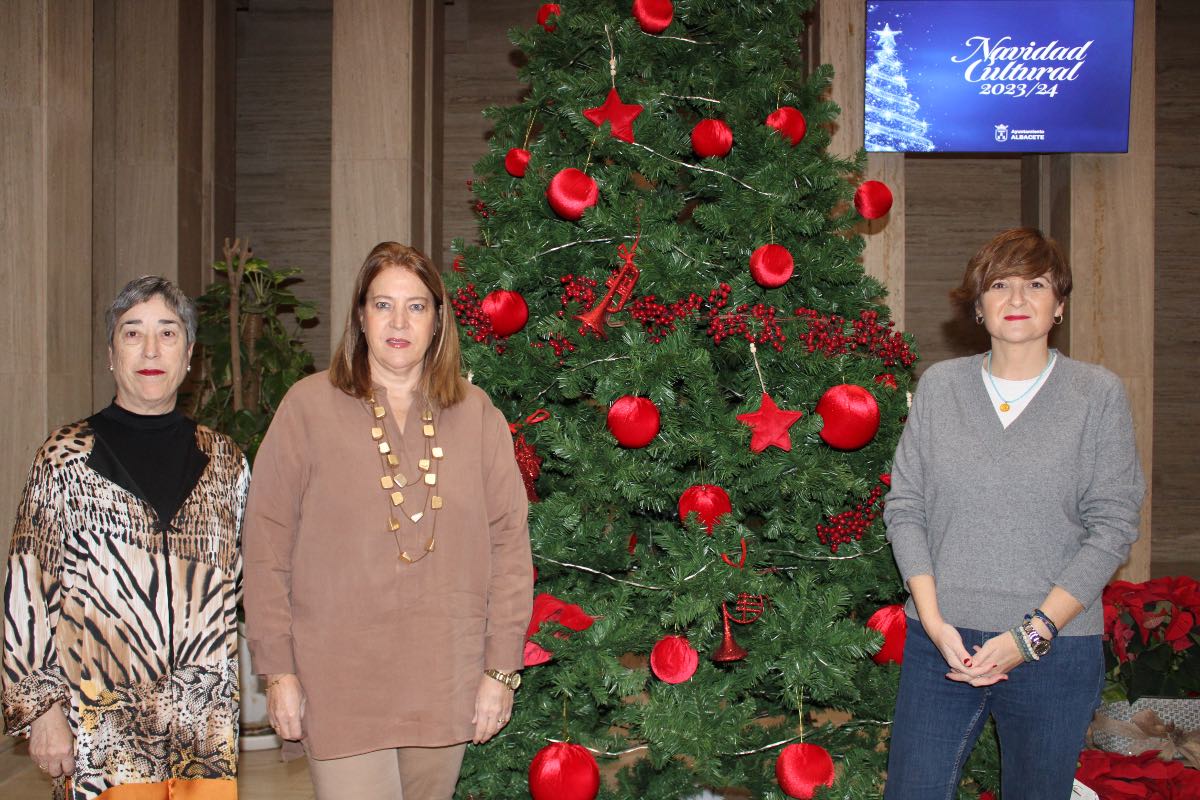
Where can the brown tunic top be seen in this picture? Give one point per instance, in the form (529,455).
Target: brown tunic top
(389,654)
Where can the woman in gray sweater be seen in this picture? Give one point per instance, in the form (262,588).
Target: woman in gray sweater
(1016,493)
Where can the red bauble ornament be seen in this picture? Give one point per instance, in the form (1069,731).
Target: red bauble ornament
(712,138)
(873,199)
(707,502)
(851,416)
(571,192)
(891,622)
(770,425)
(507,311)
(673,659)
(544,14)
(771,266)
(563,771)
(801,768)
(789,122)
(634,421)
(653,15)
(515,162)
(618,115)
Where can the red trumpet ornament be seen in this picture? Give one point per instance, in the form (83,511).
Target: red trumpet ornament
(748,609)
(619,286)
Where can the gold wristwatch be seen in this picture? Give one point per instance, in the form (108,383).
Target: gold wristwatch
(510,679)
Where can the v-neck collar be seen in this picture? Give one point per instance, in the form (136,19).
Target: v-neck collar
(982,413)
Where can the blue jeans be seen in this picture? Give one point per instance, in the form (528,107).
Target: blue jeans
(1042,713)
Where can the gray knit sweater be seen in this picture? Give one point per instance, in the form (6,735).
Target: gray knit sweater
(999,516)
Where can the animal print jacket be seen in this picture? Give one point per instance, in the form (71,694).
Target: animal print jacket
(129,623)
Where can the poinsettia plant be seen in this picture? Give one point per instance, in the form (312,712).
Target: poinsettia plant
(1153,641)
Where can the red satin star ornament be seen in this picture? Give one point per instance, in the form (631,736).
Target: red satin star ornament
(618,115)
(770,425)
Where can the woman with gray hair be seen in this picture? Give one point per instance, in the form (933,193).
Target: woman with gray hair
(124,575)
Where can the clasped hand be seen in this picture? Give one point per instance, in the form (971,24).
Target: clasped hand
(988,665)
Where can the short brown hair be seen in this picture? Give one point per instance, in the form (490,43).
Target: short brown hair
(441,373)
(1021,252)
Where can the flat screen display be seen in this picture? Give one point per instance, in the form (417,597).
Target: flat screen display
(1006,76)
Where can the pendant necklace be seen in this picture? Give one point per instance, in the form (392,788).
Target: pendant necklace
(395,482)
(1006,405)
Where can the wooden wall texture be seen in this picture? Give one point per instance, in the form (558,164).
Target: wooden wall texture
(284,125)
(1176,546)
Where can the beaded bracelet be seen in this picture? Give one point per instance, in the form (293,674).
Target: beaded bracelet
(1049,623)
(1022,645)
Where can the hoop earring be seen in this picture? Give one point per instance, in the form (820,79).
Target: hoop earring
(978,318)
(1058,318)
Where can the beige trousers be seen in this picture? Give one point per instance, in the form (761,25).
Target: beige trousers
(402,773)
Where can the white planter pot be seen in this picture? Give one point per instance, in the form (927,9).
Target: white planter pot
(256,731)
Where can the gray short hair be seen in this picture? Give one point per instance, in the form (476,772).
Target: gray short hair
(139,290)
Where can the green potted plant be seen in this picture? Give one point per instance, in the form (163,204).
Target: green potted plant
(247,314)
(249,355)
(1152,652)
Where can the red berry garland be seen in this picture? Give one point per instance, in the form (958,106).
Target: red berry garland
(849,526)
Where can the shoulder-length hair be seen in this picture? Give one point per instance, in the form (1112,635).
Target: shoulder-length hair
(441,372)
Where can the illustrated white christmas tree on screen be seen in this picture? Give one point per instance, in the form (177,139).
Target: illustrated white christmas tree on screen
(891,112)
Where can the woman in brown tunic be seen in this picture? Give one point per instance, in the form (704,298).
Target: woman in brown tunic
(388,572)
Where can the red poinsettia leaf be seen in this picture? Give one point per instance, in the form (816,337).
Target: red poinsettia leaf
(1180,626)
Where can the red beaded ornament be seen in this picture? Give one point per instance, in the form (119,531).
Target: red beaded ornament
(673,659)
(851,416)
(850,525)
(709,503)
(634,421)
(712,138)
(789,122)
(653,15)
(891,622)
(545,12)
(507,311)
(564,771)
(516,161)
(873,199)
(801,768)
(570,193)
(771,266)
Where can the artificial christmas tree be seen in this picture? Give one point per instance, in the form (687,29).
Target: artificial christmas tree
(664,361)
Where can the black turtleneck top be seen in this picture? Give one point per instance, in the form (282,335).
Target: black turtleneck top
(154,457)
